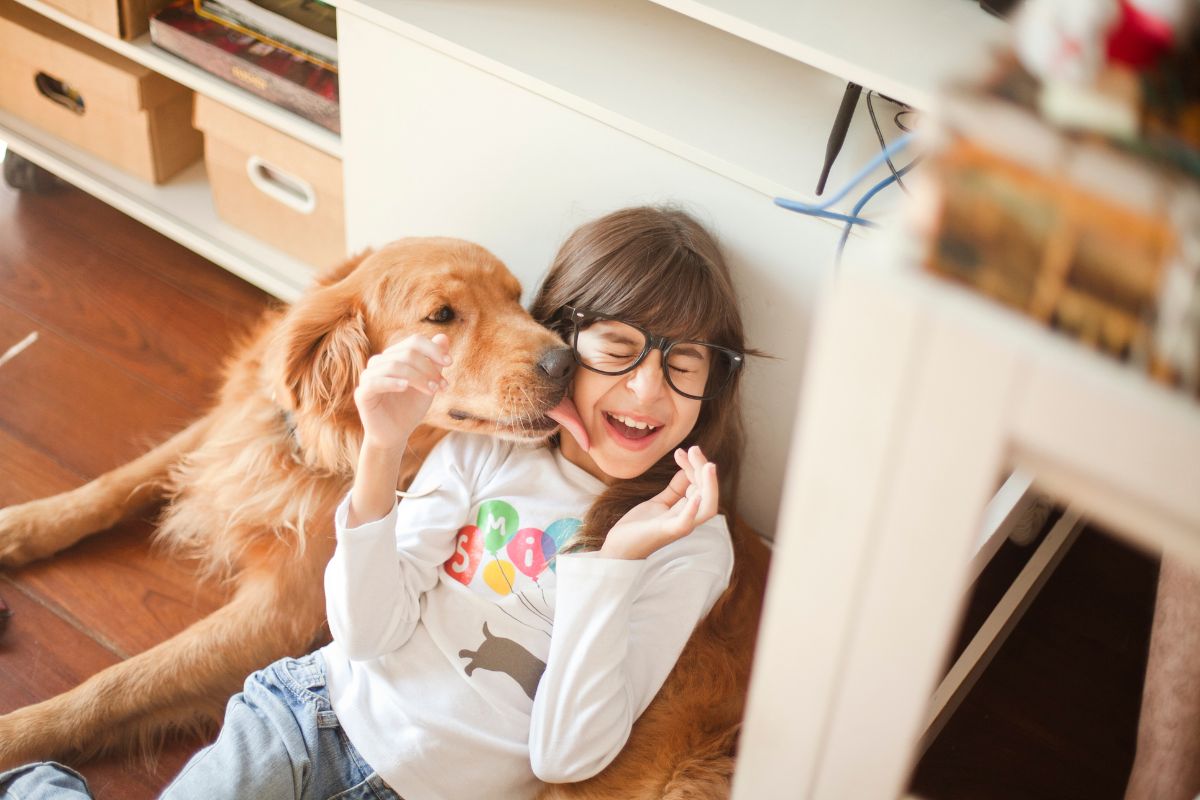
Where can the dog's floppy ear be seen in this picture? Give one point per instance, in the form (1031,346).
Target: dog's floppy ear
(320,351)
(339,271)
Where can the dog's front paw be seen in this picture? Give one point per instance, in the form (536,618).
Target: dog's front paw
(26,533)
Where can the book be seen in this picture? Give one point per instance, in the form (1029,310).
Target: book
(306,27)
(276,75)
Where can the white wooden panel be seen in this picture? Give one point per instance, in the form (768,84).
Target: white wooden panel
(905,50)
(1132,440)
(949,452)
(435,146)
(841,448)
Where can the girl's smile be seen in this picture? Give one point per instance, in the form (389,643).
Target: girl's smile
(631,431)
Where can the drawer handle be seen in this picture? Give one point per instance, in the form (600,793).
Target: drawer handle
(59,92)
(293,192)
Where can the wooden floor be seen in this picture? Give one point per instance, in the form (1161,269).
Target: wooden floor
(132,329)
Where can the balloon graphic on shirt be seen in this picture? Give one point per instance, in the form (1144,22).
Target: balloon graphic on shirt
(468,552)
(528,551)
(557,534)
(498,521)
(500,576)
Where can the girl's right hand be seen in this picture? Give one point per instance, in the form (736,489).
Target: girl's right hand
(690,500)
(397,388)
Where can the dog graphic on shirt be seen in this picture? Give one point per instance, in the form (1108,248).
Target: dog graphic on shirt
(504,655)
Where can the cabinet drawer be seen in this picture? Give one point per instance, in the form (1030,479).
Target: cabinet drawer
(281,190)
(93,98)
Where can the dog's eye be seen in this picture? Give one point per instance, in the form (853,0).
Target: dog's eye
(442,315)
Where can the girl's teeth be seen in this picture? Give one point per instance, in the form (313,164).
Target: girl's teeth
(632,423)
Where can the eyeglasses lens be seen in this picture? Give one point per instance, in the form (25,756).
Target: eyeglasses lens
(693,369)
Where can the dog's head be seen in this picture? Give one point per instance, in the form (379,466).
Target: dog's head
(508,370)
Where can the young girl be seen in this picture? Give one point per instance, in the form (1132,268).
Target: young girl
(510,625)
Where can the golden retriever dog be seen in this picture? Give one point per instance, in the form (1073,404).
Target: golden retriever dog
(252,486)
(251,489)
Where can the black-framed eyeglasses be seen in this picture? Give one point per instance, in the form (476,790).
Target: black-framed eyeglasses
(610,346)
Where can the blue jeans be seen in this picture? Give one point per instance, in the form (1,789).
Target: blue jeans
(280,741)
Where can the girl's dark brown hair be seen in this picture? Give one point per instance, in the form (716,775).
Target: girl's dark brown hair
(660,269)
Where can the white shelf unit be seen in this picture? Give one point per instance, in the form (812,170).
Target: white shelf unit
(746,112)
(144,52)
(903,50)
(181,209)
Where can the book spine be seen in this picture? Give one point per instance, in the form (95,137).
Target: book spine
(214,13)
(264,83)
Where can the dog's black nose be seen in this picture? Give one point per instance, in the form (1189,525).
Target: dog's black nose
(558,363)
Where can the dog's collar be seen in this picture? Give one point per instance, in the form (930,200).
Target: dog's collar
(289,424)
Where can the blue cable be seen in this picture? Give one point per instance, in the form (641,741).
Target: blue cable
(809,208)
(858,207)
(848,219)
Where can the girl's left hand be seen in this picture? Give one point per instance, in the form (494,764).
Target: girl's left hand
(689,500)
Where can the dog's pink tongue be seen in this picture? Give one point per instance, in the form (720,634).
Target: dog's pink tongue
(567,416)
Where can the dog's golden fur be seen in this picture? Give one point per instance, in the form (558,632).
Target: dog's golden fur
(251,490)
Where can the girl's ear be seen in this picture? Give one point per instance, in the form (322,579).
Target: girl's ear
(320,350)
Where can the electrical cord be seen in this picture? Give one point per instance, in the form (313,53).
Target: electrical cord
(812,208)
(858,207)
(882,142)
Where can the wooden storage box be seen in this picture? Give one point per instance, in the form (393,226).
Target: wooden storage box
(126,19)
(100,102)
(280,190)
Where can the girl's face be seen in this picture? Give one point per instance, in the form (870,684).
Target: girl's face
(632,420)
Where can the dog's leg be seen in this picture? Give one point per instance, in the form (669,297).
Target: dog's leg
(135,702)
(41,528)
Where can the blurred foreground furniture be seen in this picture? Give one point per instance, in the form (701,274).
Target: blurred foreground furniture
(920,395)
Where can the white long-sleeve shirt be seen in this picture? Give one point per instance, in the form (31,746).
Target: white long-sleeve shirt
(468,661)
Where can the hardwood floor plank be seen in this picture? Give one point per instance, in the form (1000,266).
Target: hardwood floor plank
(124,241)
(28,474)
(114,585)
(118,588)
(131,319)
(41,656)
(90,417)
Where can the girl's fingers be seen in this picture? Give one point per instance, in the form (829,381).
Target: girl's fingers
(677,505)
(674,490)
(683,520)
(421,373)
(683,462)
(710,493)
(375,385)
(437,349)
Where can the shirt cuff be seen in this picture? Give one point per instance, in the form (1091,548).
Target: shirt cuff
(366,529)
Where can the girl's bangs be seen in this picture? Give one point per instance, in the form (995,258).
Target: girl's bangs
(676,297)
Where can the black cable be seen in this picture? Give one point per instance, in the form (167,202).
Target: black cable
(882,141)
(899,114)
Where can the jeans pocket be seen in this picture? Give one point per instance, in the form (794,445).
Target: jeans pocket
(304,678)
